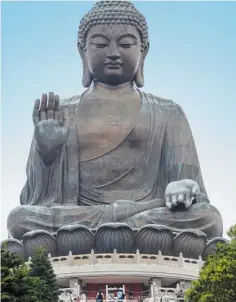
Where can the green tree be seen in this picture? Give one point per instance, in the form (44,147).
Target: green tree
(41,267)
(232,232)
(217,280)
(16,284)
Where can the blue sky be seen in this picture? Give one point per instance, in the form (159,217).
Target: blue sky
(192,60)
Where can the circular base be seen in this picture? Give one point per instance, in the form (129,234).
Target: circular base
(150,239)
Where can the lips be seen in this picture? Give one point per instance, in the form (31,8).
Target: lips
(112,65)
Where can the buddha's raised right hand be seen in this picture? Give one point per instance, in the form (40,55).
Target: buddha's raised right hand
(51,128)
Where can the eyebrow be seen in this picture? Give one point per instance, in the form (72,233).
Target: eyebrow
(121,37)
(98,36)
(128,35)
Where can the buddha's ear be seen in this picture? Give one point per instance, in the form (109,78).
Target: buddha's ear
(139,77)
(87,77)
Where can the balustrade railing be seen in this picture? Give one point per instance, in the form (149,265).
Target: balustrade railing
(135,258)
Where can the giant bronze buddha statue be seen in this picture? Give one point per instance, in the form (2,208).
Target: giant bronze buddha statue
(113,159)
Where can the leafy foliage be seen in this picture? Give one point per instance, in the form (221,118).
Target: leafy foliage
(21,283)
(16,284)
(232,232)
(41,267)
(217,281)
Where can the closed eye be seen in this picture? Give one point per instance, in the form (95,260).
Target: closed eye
(126,45)
(101,45)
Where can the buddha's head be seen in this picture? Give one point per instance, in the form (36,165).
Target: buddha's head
(113,43)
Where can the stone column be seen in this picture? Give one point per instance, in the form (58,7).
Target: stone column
(75,284)
(184,284)
(156,284)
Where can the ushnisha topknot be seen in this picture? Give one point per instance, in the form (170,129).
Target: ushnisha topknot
(113,12)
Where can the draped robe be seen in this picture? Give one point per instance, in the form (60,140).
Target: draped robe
(126,184)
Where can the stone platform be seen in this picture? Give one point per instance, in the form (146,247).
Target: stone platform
(116,264)
(150,239)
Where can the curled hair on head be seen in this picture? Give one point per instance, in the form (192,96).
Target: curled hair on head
(113,12)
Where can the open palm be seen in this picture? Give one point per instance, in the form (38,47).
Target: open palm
(51,127)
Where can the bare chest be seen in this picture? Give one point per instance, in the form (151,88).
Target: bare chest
(104,124)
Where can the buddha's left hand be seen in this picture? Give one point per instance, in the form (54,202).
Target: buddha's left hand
(180,194)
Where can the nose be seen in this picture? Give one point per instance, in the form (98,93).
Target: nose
(113,52)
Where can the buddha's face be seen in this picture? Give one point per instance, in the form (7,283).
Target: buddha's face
(113,53)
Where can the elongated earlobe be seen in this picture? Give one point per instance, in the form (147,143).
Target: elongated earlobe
(139,77)
(87,77)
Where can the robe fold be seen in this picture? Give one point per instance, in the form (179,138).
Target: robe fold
(126,184)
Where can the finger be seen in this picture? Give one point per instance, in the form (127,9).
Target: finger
(195,190)
(180,197)
(50,109)
(188,201)
(43,107)
(65,118)
(167,198)
(36,112)
(174,200)
(57,107)
(168,203)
